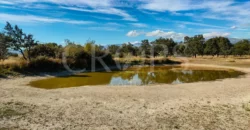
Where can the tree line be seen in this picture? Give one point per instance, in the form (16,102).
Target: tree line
(14,38)
(191,46)
(48,56)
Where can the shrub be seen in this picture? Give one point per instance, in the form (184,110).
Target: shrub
(5,72)
(14,66)
(51,50)
(3,46)
(106,57)
(45,64)
(79,60)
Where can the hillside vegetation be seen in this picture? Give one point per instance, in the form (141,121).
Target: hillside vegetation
(52,57)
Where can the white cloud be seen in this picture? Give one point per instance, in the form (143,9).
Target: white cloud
(112,11)
(104,28)
(91,6)
(6,2)
(233,27)
(181,26)
(165,5)
(32,18)
(157,33)
(91,3)
(134,33)
(139,25)
(198,24)
(160,33)
(183,5)
(110,26)
(134,42)
(114,24)
(216,34)
(229,10)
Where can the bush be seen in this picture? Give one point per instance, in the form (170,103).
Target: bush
(17,66)
(5,72)
(45,64)
(79,60)
(106,57)
(51,50)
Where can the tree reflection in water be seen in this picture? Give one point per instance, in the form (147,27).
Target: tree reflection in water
(137,76)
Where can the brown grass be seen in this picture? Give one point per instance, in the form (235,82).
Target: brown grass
(234,61)
(139,59)
(11,60)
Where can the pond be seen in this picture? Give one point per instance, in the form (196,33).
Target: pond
(138,76)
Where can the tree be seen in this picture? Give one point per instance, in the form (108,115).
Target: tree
(211,47)
(128,48)
(29,42)
(20,41)
(4,45)
(72,49)
(91,46)
(180,49)
(113,49)
(49,50)
(195,45)
(224,46)
(166,44)
(241,48)
(145,48)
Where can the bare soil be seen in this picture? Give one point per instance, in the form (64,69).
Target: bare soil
(217,105)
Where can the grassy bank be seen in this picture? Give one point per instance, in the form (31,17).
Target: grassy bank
(15,66)
(234,61)
(146,61)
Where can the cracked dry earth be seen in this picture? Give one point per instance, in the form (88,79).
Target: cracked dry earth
(217,105)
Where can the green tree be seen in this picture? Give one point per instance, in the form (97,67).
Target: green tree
(113,49)
(29,42)
(72,49)
(224,46)
(211,47)
(4,45)
(48,50)
(180,49)
(195,45)
(165,44)
(128,48)
(91,46)
(20,41)
(145,48)
(241,48)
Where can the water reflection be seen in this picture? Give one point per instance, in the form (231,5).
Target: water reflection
(137,76)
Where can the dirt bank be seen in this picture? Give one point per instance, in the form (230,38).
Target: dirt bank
(203,105)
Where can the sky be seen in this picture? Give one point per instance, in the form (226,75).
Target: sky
(121,21)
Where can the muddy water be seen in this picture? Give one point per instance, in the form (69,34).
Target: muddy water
(138,76)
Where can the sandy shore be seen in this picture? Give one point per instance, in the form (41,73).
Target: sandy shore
(216,105)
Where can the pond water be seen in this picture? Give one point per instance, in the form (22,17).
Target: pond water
(138,76)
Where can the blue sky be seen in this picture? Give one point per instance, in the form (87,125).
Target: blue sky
(120,21)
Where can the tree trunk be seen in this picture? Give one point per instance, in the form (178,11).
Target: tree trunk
(29,54)
(24,57)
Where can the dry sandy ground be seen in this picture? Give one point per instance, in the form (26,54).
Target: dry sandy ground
(218,105)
